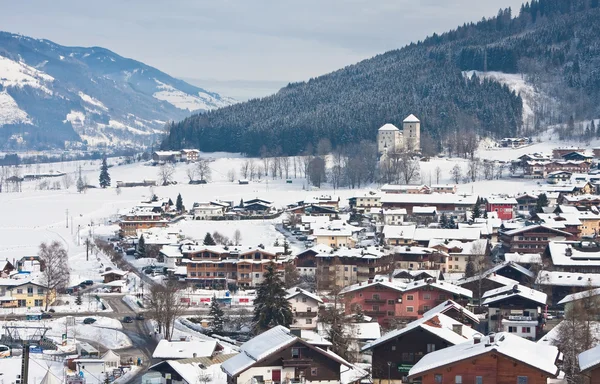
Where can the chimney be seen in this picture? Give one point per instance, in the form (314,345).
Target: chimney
(194,355)
(457,328)
(477,339)
(492,336)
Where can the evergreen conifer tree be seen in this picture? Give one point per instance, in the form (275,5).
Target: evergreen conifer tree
(477,209)
(141,248)
(208,240)
(217,314)
(78,299)
(241,203)
(80,182)
(170,202)
(443,221)
(104,176)
(542,202)
(179,203)
(469,268)
(270,306)
(452,223)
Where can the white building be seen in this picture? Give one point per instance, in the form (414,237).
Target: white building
(523,326)
(391,140)
(305,307)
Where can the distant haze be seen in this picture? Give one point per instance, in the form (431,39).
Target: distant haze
(241,90)
(240,43)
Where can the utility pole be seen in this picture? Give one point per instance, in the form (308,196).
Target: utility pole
(67,217)
(25,362)
(87,249)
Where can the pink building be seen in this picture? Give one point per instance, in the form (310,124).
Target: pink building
(387,300)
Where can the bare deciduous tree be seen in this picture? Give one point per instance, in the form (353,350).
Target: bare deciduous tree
(285,165)
(456,173)
(191,172)
(237,237)
(165,306)
(474,166)
(67,181)
(203,168)
(252,169)
(231,175)
(245,169)
(54,261)
(410,169)
(438,174)
(165,173)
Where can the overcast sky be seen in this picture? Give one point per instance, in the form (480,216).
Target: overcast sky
(258,41)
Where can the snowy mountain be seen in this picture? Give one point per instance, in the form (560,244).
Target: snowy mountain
(53,96)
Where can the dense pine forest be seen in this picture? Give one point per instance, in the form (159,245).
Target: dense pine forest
(555,44)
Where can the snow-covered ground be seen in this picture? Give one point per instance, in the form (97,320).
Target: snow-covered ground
(33,216)
(105,332)
(38,366)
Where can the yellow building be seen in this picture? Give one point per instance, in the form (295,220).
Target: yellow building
(29,294)
(334,238)
(590,223)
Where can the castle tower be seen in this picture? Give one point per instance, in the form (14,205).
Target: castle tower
(389,139)
(412,133)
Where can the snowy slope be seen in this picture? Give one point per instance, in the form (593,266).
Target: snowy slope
(53,96)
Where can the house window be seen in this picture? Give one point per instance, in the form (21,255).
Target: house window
(426,308)
(308,321)
(442,296)
(393,347)
(478,379)
(408,357)
(304,299)
(19,291)
(410,309)
(458,379)
(257,275)
(521,379)
(526,330)
(409,297)
(427,296)
(40,291)
(437,379)
(193,274)
(376,308)
(390,302)
(390,313)
(314,371)
(376,297)
(430,348)
(512,329)
(295,353)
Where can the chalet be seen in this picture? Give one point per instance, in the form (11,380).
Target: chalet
(31,264)
(320,210)
(531,238)
(30,294)
(112,275)
(6,268)
(459,253)
(393,216)
(365,201)
(403,189)
(331,201)
(515,309)
(256,205)
(558,177)
(526,260)
(190,155)
(578,156)
(389,301)
(585,200)
(455,311)
(499,358)
(443,188)
(589,218)
(414,259)
(559,153)
(482,283)
(505,206)
(166,156)
(409,234)
(132,222)
(277,355)
(589,298)
(443,202)
(523,159)
(561,284)
(131,184)
(334,238)
(514,142)
(565,222)
(399,234)
(589,364)
(187,371)
(306,261)
(209,210)
(305,308)
(346,266)
(526,203)
(406,346)
(571,256)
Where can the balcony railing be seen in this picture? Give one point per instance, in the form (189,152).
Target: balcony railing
(297,362)
(375,301)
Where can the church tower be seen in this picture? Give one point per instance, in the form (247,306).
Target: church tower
(412,133)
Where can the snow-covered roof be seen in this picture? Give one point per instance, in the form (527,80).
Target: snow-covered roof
(313,338)
(589,359)
(568,279)
(418,210)
(114,272)
(580,295)
(295,291)
(441,285)
(502,293)
(381,283)
(332,232)
(475,247)
(523,258)
(566,253)
(424,234)
(559,220)
(534,227)
(388,127)
(397,211)
(191,369)
(431,198)
(411,119)
(541,357)
(436,323)
(399,231)
(451,304)
(501,200)
(184,349)
(519,268)
(364,253)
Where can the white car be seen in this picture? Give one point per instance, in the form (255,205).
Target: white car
(549,316)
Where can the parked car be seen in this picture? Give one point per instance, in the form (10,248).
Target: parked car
(4,351)
(88,282)
(127,319)
(89,320)
(139,316)
(549,316)
(46,315)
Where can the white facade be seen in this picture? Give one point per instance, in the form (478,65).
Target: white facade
(522,326)
(390,139)
(394,216)
(305,310)
(206,212)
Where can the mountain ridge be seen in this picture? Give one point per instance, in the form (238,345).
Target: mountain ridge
(96,97)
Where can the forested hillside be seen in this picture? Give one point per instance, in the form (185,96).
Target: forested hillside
(555,44)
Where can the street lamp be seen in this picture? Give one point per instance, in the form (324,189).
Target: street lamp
(389,363)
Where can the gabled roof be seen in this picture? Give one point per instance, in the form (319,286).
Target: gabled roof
(580,295)
(451,304)
(568,279)
(114,272)
(502,293)
(540,357)
(360,286)
(515,266)
(525,258)
(191,369)
(262,346)
(411,119)
(184,349)
(589,359)
(533,227)
(443,286)
(293,292)
(437,324)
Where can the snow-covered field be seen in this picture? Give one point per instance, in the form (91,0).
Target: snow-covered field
(105,332)
(33,216)
(38,367)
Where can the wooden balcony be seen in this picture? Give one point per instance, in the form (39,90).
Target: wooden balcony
(297,362)
(375,301)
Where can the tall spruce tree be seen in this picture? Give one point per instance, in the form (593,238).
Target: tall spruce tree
(141,248)
(104,176)
(208,240)
(270,306)
(477,209)
(542,202)
(217,314)
(179,203)
(443,221)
